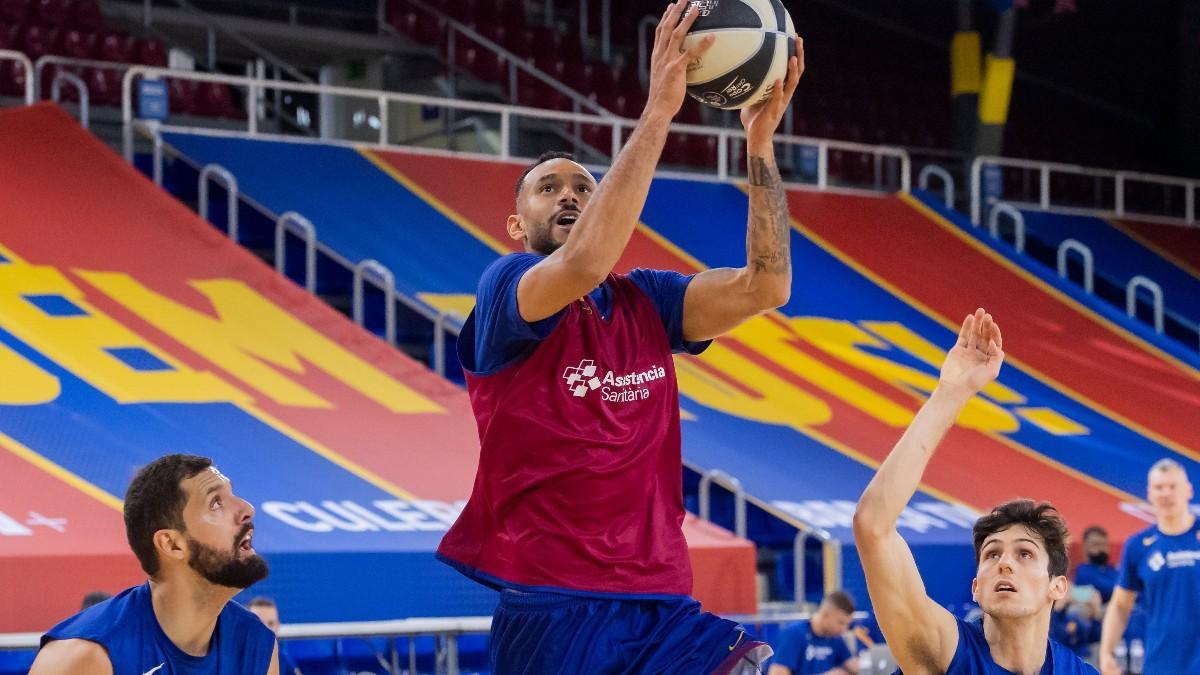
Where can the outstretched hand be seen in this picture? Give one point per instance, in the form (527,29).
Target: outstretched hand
(669,60)
(975,359)
(762,119)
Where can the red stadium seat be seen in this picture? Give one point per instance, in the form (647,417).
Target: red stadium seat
(14,11)
(86,15)
(485,64)
(51,12)
(181,95)
(39,40)
(115,46)
(151,52)
(702,151)
(104,86)
(78,44)
(215,100)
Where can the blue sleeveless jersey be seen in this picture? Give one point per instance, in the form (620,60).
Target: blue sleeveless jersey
(974,657)
(126,627)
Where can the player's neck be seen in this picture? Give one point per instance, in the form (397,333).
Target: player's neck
(1176,524)
(187,611)
(1018,644)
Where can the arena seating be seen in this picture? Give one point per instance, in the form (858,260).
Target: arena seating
(831,379)
(76,29)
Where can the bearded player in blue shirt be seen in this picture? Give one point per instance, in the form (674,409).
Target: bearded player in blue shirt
(192,536)
(1020,548)
(1162,563)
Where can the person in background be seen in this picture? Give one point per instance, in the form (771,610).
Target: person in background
(94,598)
(1161,564)
(817,645)
(266,610)
(1098,572)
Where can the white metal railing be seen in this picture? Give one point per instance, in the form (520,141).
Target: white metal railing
(1018,221)
(1085,256)
(730,483)
(81,91)
(935,171)
(302,227)
(831,547)
(1156,293)
(19,57)
(726,138)
(387,282)
(1121,181)
(226,179)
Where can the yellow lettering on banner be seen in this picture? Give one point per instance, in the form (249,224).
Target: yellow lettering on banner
(249,335)
(899,335)
(778,343)
(845,341)
(777,401)
(78,341)
(23,382)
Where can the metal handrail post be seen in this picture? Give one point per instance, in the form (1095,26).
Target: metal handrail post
(1141,281)
(304,228)
(1018,222)
(933,170)
(223,176)
(388,282)
(1085,255)
(20,57)
(81,88)
(731,483)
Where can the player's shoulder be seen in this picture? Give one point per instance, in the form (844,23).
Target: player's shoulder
(1067,662)
(510,263)
(73,655)
(246,622)
(1142,540)
(112,620)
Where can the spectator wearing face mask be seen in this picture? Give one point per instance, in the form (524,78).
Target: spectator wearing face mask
(1098,572)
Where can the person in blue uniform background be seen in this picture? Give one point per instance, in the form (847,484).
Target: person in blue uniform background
(1162,565)
(818,646)
(1020,547)
(193,538)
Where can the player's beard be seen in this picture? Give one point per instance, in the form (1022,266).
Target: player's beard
(542,240)
(227,568)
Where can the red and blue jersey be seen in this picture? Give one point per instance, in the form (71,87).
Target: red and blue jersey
(578,487)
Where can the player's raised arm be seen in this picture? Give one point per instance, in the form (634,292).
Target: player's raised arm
(718,300)
(922,635)
(603,229)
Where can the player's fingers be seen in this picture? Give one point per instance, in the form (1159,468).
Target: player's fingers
(670,19)
(996,336)
(968,325)
(684,26)
(698,47)
(800,53)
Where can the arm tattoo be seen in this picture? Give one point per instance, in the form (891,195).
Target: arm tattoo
(768,235)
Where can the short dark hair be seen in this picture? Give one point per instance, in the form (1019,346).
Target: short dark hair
(544,157)
(1095,529)
(840,600)
(94,598)
(261,601)
(155,501)
(1041,519)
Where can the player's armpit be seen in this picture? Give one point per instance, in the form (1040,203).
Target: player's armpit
(274,669)
(72,657)
(921,634)
(777,669)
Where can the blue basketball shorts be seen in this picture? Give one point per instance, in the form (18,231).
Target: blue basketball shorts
(555,634)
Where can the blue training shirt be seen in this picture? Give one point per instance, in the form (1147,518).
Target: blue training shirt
(1100,577)
(973,656)
(126,627)
(1165,571)
(803,651)
(495,336)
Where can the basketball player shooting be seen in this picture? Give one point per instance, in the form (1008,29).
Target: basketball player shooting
(577,508)
(1020,547)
